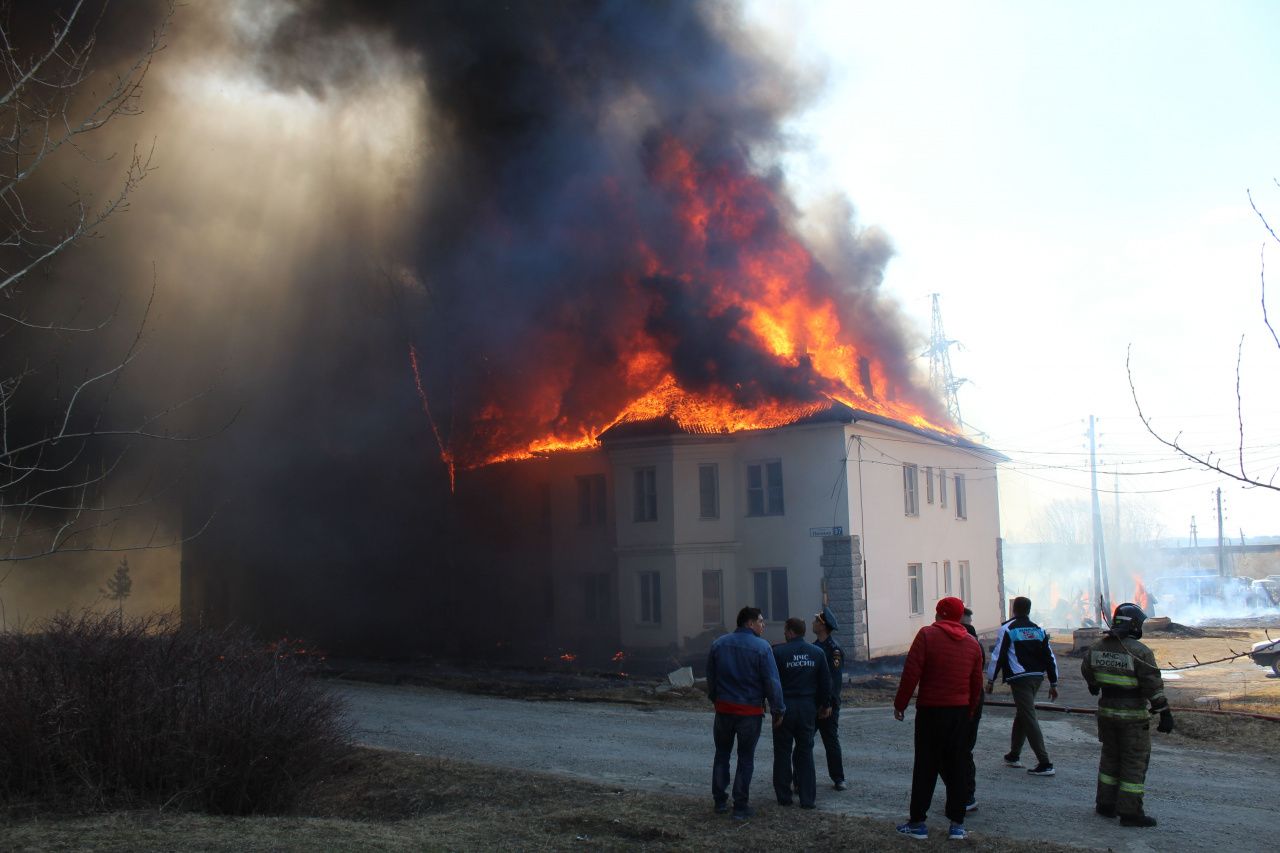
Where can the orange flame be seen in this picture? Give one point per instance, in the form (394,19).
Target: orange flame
(1140,595)
(773,300)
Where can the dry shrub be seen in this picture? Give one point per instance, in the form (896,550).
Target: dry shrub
(99,712)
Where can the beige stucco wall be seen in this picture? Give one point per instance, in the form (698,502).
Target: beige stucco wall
(891,539)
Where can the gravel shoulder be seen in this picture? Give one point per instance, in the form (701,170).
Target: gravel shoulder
(1204,797)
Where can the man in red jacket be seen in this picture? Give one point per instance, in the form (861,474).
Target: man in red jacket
(946,663)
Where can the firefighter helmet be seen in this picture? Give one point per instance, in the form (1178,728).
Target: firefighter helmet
(1127,621)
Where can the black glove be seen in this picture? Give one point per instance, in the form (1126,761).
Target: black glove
(1166,722)
(1094,689)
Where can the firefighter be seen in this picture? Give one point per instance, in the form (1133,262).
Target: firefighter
(806,689)
(824,625)
(1124,671)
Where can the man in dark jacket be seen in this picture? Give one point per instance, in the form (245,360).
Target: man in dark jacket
(824,626)
(1024,657)
(741,673)
(1125,672)
(946,664)
(806,688)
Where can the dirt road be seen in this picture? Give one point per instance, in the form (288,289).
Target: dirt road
(1204,799)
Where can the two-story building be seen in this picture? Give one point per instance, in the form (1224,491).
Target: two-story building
(659,538)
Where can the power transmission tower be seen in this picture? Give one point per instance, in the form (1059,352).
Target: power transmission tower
(943,381)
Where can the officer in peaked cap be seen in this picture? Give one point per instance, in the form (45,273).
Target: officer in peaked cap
(824,625)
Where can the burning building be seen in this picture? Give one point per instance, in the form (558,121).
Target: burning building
(608,383)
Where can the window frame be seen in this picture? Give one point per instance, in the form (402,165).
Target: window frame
(649,598)
(775,581)
(946,576)
(942,488)
(592,500)
(644,494)
(962,498)
(928,485)
(966,580)
(768,497)
(915,589)
(714,469)
(719,600)
(911,489)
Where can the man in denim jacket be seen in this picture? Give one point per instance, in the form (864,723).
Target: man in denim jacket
(741,674)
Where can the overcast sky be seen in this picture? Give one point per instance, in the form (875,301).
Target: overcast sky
(1071,178)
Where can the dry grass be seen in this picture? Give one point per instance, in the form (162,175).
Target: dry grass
(392,801)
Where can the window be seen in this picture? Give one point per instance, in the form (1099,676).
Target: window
(942,487)
(911,488)
(966,582)
(937,583)
(764,488)
(650,598)
(770,587)
(915,589)
(962,509)
(712,599)
(598,597)
(946,577)
(928,484)
(646,494)
(709,492)
(591,500)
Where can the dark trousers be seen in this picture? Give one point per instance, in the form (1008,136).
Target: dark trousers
(746,730)
(830,731)
(971,776)
(793,752)
(1026,727)
(1122,769)
(942,741)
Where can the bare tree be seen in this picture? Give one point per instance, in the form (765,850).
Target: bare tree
(1208,459)
(58,447)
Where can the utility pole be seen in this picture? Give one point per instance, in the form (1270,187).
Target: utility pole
(1222,550)
(1101,586)
(941,379)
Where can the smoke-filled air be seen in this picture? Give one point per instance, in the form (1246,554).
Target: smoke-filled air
(384,243)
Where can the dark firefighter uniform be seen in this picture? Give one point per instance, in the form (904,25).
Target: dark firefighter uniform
(829,728)
(806,689)
(1124,671)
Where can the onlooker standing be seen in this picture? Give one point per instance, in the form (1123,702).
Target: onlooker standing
(741,673)
(806,690)
(946,664)
(1125,672)
(1024,658)
(971,803)
(824,625)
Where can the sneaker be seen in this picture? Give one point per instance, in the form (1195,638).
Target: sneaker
(743,813)
(1138,819)
(840,786)
(722,808)
(972,805)
(957,832)
(1042,769)
(914,830)
(1012,760)
(1105,811)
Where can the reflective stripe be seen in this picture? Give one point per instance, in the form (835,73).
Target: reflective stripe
(1123,713)
(1130,788)
(1115,680)
(1104,779)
